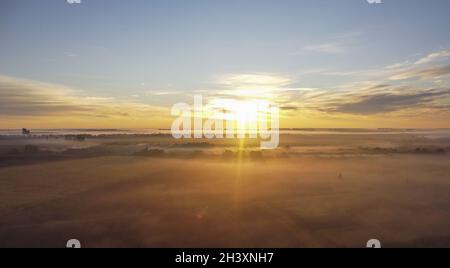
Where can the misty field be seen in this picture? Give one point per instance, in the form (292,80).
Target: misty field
(305,196)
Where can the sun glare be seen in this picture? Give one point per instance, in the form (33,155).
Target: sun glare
(247,115)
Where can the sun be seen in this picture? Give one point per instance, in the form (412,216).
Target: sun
(246,115)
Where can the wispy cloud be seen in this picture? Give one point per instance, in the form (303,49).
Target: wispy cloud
(387,102)
(329,48)
(336,44)
(436,56)
(367,92)
(21,97)
(252,85)
(369,98)
(239,80)
(428,73)
(162,93)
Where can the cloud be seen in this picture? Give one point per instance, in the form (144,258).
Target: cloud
(329,48)
(398,65)
(367,98)
(20,97)
(434,57)
(429,73)
(240,80)
(386,102)
(371,92)
(262,86)
(25,97)
(336,44)
(368,93)
(162,93)
(289,108)
(431,66)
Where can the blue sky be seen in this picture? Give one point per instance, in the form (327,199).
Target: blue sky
(144,49)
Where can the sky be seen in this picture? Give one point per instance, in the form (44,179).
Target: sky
(326,63)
